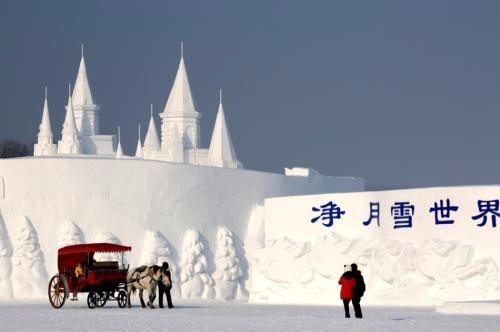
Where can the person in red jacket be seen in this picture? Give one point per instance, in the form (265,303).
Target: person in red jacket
(347,282)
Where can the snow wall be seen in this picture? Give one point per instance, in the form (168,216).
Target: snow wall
(165,211)
(451,252)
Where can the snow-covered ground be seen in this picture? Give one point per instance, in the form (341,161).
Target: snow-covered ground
(217,316)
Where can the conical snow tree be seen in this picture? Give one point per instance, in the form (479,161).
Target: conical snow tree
(195,281)
(5,262)
(227,266)
(29,277)
(108,237)
(70,234)
(156,251)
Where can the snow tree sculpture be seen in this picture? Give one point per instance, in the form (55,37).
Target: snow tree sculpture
(156,251)
(227,266)
(70,234)
(194,279)
(5,262)
(108,237)
(29,277)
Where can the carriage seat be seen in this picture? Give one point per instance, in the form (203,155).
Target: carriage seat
(105,265)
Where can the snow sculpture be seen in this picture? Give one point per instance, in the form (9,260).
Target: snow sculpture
(108,237)
(5,262)
(29,274)
(285,262)
(156,251)
(45,144)
(429,272)
(228,272)
(70,234)
(194,279)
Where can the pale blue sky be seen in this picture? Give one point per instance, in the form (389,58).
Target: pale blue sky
(402,93)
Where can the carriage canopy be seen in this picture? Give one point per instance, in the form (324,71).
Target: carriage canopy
(69,256)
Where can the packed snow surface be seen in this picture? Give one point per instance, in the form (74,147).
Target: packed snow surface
(191,315)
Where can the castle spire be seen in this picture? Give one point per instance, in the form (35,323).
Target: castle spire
(69,126)
(151,142)
(138,151)
(82,94)
(84,108)
(180,111)
(45,129)
(69,143)
(119,151)
(180,100)
(44,145)
(221,152)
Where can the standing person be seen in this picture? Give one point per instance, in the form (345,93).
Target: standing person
(358,291)
(162,288)
(347,282)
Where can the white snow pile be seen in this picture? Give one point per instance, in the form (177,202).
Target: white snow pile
(194,278)
(29,274)
(423,273)
(491,308)
(70,234)
(156,251)
(228,272)
(5,263)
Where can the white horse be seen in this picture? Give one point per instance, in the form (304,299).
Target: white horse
(146,277)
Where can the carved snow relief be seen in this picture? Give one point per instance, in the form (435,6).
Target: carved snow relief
(428,272)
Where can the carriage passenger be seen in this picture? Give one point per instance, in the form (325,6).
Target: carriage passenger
(79,274)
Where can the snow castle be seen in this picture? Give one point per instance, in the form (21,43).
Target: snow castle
(180,132)
(173,200)
(231,233)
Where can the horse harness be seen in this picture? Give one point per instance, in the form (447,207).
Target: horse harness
(149,274)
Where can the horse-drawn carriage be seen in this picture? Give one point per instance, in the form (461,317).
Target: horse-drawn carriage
(103,280)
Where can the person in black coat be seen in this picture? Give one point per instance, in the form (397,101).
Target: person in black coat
(358,290)
(165,289)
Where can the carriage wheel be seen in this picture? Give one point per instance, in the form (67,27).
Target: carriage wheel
(92,300)
(122,299)
(57,291)
(102,298)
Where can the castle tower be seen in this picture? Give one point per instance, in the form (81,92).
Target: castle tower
(180,112)
(85,110)
(69,143)
(221,152)
(45,145)
(151,142)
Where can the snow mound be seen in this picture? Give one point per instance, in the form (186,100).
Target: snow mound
(470,308)
(228,272)
(29,274)
(194,279)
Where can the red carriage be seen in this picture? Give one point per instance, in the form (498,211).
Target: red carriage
(103,281)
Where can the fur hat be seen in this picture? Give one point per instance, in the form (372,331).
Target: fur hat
(347,268)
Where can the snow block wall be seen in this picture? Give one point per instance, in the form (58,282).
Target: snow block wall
(414,247)
(76,199)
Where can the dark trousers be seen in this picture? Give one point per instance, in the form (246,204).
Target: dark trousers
(357,307)
(346,306)
(164,289)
